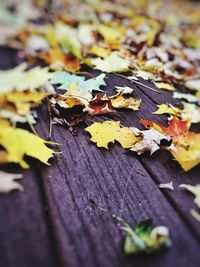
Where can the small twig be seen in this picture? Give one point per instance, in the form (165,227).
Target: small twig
(133,81)
(50,119)
(125,190)
(118,218)
(146,86)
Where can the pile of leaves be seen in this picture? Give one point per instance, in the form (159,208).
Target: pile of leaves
(138,40)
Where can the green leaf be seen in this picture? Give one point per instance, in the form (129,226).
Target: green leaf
(146,238)
(65,79)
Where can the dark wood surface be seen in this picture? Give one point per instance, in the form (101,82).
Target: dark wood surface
(53,222)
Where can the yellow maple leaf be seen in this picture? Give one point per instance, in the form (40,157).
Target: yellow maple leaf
(168,109)
(23,101)
(112,34)
(187,151)
(19,142)
(99,51)
(119,101)
(113,63)
(164,86)
(109,132)
(22,80)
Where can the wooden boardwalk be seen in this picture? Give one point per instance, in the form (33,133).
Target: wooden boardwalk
(53,222)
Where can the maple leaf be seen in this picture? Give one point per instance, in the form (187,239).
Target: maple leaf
(23,101)
(85,87)
(190,111)
(19,142)
(99,105)
(145,238)
(119,101)
(188,97)
(67,110)
(99,51)
(8,183)
(113,63)
(112,34)
(164,86)
(195,190)
(151,140)
(186,143)
(109,132)
(57,60)
(22,80)
(193,84)
(168,109)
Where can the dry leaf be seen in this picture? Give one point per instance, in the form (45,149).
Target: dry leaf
(164,86)
(151,140)
(109,132)
(167,186)
(19,142)
(22,80)
(186,143)
(113,63)
(195,190)
(8,183)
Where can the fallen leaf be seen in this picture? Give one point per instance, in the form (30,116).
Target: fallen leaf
(188,97)
(113,63)
(125,90)
(99,51)
(164,86)
(22,80)
(109,132)
(67,110)
(191,112)
(186,143)
(193,84)
(195,190)
(195,214)
(146,238)
(99,105)
(168,109)
(119,101)
(151,140)
(19,142)
(8,183)
(167,186)
(77,85)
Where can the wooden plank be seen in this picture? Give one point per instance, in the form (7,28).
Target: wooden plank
(161,165)
(86,237)
(25,239)
(24,228)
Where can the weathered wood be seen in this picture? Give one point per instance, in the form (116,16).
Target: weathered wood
(161,166)
(122,182)
(25,239)
(85,236)
(24,236)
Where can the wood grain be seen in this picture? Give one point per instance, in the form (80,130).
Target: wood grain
(123,183)
(25,238)
(85,236)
